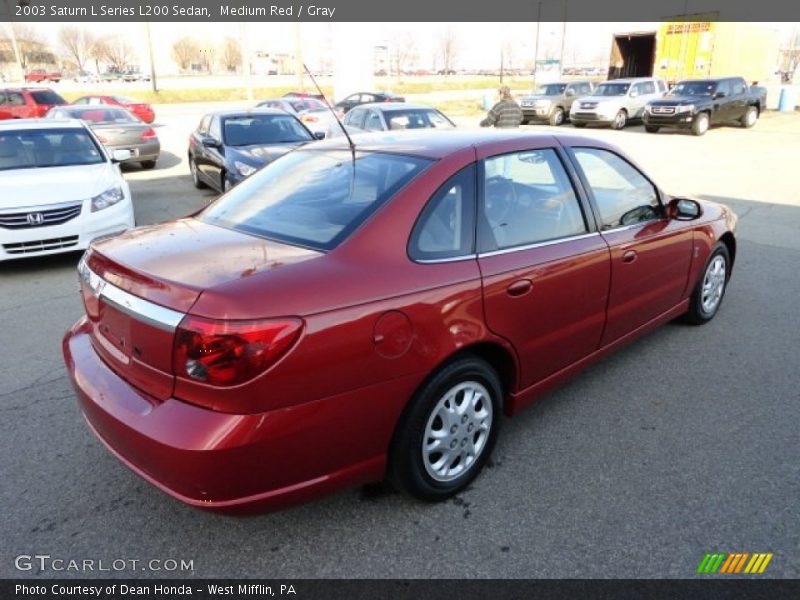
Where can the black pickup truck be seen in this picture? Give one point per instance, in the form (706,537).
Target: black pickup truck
(697,104)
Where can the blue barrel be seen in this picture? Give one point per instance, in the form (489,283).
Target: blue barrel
(788,99)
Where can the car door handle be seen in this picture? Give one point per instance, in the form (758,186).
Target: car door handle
(519,288)
(630,256)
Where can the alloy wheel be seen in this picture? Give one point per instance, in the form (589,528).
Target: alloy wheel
(713,285)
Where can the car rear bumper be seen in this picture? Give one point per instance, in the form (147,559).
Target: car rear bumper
(142,151)
(75,234)
(682,120)
(228,462)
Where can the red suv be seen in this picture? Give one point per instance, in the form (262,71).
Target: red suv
(27,103)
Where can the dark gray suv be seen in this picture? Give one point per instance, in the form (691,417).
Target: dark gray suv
(550,102)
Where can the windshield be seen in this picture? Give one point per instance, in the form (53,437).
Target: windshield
(417,119)
(312,198)
(552,89)
(47,97)
(95,115)
(612,89)
(694,88)
(37,148)
(250,130)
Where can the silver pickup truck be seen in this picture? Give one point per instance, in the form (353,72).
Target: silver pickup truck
(550,102)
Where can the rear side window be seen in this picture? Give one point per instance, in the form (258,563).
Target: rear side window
(311,198)
(446,227)
(739,87)
(528,199)
(15,99)
(47,97)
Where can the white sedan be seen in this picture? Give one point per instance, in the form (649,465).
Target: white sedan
(59,188)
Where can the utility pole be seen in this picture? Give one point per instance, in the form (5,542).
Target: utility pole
(536,49)
(563,40)
(502,60)
(298,56)
(150,57)
(14,45)
(246,70)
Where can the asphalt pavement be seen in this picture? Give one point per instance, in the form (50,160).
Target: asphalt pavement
(685,442)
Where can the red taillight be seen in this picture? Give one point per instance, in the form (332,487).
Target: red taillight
(226,353)
(101,139)
(148,135)
(308,119)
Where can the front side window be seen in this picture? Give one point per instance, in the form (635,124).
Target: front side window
(203,127)
(528,198)
(373,121)
(355,118)
(446,227)
(313,198)
(612,89)
(623,195)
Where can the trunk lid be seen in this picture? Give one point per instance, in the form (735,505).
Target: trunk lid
(138,286)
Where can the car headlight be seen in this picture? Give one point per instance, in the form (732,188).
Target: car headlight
(684,108)
(244,169)
(108,198)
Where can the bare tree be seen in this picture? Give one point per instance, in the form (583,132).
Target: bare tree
(448,50)
(32,48)
(403,51)
(77,43)
(98,52)
(231,54)
(185,52)
(117,52)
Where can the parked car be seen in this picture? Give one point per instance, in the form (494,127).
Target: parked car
(304,95)
(27,102)
(111,75)
(142,110)
(229,146)
(117,129)
(697,104)
(551,102)
(59,188)
(43,76)
(134,75)
(393,116)
(366,98)
(312,112)
(617,102)
(347,315)
(86,77)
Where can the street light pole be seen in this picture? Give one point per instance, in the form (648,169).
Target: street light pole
(536,49)
(150,57)
(563,40)
(247,70)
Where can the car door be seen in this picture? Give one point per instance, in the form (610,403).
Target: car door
(641,93)
(739,99)
(545,268)
(650,254)
(724,107)
(213,155)
(17,107)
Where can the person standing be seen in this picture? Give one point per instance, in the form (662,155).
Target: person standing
(505,113)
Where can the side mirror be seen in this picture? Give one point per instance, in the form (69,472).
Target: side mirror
(319,135)
(118,156)
(210,142)
(719,94)
(569,93)
(684,209)
(634,93)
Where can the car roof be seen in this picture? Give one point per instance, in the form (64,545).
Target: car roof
(710,79)
(439,143)
(389,106)
(260,110)
(632,79)
(15,124)
(26,88)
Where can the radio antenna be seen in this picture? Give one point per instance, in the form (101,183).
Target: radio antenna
(335,116)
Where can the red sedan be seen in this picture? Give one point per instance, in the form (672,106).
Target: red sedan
(346,315)
(142,110)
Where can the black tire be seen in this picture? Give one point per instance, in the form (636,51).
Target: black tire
(579,125)
(524,121)
(700,124)
(407,468)
(148,164)
(698,313)
(651,128)
(196,175)
(749,118)
(557,118)
(620,120)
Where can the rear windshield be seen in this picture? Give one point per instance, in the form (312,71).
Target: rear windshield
(251,130)
(38,148)
(313,198)
(416,119)
(612,89)
(47,97)
(93,114)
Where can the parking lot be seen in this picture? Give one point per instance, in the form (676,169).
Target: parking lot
(683,443)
